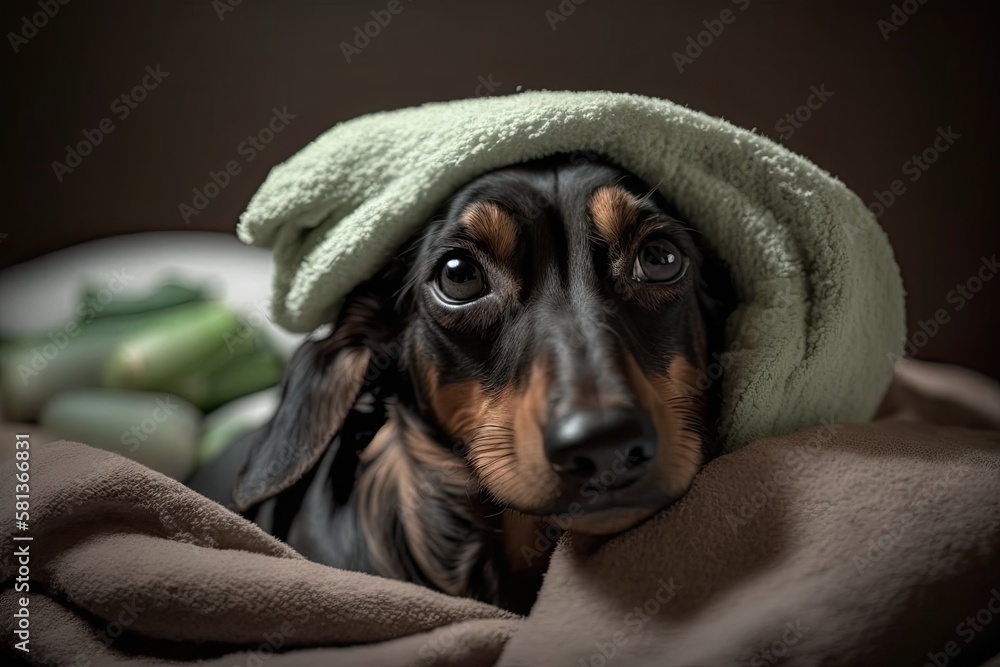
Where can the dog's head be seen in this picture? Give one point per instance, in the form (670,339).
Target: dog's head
(550,331)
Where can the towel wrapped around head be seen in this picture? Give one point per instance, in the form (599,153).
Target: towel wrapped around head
(820,317)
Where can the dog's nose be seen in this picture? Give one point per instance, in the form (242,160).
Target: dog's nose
(615,447)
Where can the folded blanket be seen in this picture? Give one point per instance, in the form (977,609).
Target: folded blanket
(852,545)
(821,303)
(871,544)
(128,565)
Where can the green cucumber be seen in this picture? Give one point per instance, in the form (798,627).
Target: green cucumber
(234,419)
(33,371)
(155,357)
(257,371)
(244,374)
(69,357)
(158,430)
(166,295)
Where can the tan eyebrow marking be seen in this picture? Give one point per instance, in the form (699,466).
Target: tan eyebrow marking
(490,225)
(614,210)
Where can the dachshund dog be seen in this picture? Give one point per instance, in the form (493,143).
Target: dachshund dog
(535,361)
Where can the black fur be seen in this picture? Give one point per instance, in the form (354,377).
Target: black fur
(438,522)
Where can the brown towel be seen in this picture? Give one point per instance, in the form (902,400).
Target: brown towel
(872,544)
(850,545)
(127,565)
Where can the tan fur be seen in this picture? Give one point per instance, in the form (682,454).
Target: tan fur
(405,468)
(376,488)
(504,433)
(618,218)
(459,407)
(679,443)
(490,225)
(533,481)
(504,436)
(613,210)
(512,465)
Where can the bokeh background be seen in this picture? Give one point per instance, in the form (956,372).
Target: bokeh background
(889,88)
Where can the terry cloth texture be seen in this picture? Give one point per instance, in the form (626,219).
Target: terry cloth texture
(840,545)
(821,301)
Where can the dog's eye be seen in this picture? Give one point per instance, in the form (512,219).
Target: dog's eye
(461,279)
(658,261)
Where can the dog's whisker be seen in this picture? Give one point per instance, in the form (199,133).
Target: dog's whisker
(494,476)
(501,442)
(481,449)
(492,445)
(492,452)
(490,434)
(493,427)
(494,467)
(645,198)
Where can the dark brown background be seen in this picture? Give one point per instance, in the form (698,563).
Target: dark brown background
(889,98)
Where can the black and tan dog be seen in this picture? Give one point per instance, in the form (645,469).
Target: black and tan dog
(536,357)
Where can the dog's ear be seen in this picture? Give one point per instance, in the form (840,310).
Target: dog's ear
(320,387)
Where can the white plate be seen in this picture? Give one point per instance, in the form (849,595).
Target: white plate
(42,295)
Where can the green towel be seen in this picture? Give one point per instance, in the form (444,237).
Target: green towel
(820,318)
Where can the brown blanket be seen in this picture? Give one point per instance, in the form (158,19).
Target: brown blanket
(841,545)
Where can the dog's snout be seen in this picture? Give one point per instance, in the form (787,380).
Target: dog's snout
(614,446)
